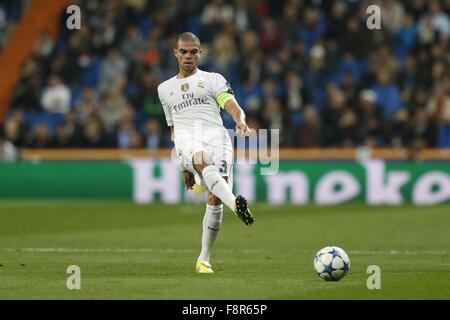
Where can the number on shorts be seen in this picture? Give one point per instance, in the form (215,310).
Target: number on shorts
(223,166)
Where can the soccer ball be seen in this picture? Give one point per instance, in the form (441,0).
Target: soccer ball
(331,263)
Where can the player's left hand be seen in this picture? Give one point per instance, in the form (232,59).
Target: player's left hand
(189,179)
(244,130)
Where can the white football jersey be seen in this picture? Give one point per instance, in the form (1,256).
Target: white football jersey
(190,105)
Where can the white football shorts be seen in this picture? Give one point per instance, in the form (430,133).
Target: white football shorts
(221,153)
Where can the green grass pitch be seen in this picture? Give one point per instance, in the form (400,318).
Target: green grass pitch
(130,251)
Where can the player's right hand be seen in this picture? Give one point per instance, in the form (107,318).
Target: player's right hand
(244,130)
(189,179)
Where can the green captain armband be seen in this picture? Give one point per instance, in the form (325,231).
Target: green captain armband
(223,97)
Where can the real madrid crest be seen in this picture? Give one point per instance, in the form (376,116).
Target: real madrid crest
(185,87)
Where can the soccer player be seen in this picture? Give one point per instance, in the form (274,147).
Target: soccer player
(192,101)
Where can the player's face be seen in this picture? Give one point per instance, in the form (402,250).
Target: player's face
(187,53)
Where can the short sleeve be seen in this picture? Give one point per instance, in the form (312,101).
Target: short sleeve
(166,107)
(220,84)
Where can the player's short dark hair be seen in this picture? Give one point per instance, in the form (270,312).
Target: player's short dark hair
(187,37)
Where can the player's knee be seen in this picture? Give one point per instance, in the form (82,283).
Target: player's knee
(201,160)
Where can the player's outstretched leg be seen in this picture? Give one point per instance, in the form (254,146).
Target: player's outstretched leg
(220,188)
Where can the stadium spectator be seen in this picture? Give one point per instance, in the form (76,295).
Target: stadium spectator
(408,78)
(294,87)
(56,96)
(370,119)
(133,41)
(348,128)
(15,129)
(93,134)
(113,105)
(214,16)
(40,137)
(331,115)
(27,93)
(10,12)
(147,100)
(316,76)
(68,132)
(423,130)
(405,37)
(438,106)
(274,118)
(439,20)
(337,23)
(8,151)
(44,45)
(270,38)
(393,14)
(244,18)
(104,33)
(399,131)
(153,135)
(388,94)
(308,133)
(115,66)
(128,136)
(87,104)
(223,57)
(416,8)
(312,28)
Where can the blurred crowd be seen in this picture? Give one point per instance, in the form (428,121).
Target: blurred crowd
(309,68)
(10,12)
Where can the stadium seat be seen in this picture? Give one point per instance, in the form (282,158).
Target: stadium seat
(444,137)
(90,75)
(51,119)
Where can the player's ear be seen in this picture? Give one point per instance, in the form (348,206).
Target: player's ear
(175,51)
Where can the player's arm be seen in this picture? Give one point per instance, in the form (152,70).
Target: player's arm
(189,179)
(238,115)
(223,94)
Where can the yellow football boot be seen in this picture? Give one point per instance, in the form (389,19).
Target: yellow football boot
(203,267)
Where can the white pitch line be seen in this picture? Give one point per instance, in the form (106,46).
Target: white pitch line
(397,252)
(169,250)
(93,250)
(131,250)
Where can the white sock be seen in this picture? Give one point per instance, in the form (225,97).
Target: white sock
(218,186)
(211,227)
